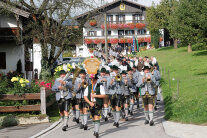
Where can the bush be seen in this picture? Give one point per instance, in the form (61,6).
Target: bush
(199,46)
(9,120)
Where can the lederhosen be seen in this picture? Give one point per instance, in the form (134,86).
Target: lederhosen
(63,104)
(80,101)
(126,95)
(115,99)
(96,110)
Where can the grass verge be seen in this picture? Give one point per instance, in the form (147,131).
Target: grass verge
(189,106)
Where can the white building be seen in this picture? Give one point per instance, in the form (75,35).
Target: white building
(125,21)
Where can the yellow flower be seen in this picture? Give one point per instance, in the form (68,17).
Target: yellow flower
(14,79)
(27,81)
(21,81)
(23,85)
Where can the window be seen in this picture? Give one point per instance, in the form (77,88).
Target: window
(141,32)
(109,33)
(3,60)
(109,18)
(120,32)
(91,45)
(91,33)
(129,32)
(138,18)
(120,18)
(81,49)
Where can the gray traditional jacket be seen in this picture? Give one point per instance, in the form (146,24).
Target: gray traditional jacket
(79,91)
(115,88)
(103,83)
(126,87)
(147,86)
(68,86)
(157,77)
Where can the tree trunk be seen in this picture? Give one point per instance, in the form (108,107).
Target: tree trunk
(175,43)
(189,48)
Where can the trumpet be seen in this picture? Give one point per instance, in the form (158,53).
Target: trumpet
(148,80)
(84,84)
(118,78)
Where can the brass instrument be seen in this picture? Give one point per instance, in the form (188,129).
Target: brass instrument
(147,79)
(118,78)
(75,75)
(84,84)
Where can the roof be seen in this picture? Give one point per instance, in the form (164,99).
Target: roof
(107,5)
(17,10)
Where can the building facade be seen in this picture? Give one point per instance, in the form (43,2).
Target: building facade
(126,20)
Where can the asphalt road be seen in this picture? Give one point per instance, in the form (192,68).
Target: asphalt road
(134,128)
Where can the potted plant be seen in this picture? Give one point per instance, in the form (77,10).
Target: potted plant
(114,41)
(130,40)
(93,22)
(88,41)
(114,26)
(140,25)
(122,40)
(131,25)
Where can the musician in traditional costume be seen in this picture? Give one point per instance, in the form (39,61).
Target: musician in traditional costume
(114,85)
(94,95)
(62,87)
(81,107)
(103,81)
(126,93)
(146,83)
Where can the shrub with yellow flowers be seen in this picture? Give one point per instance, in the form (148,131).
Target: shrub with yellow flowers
(19,84)
(66,67)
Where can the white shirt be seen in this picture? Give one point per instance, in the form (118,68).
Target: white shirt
(102,91)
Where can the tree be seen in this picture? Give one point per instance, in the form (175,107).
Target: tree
(46,25)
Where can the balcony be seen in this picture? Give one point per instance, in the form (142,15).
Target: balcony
(9,33)
(126,21)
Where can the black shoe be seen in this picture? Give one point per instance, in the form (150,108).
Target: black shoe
(85,127)
(117,125)
(106,119)
(81,126)
(74,119)
(126,119)
(137,106)
(96,135)
(114,124)
(110,114)
(146,122)
(77,121)
(155,108)
(64,128)
(151,123)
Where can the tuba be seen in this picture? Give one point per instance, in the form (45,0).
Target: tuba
(75,75)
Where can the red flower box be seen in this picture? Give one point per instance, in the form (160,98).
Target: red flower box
(140,25)
(88,41)
(130,40)
(114,41)
(122,40)
(108,26)
(131,25)
(140,40)
(96,41)
(147,39)
(121,26)
(161,39)
(114,26)
(92,23)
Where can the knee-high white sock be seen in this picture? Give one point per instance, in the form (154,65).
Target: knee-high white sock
(77,114)
(131,107)
(66,120)
(62,118)
(81,117)
(151,115)
(146,113)
(105,112)
(74,113)
(114,114)
(85,118)
(96,125)
(117,116)
(109,108)
(126,110)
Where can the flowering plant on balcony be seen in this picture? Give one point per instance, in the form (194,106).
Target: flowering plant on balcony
(161,39)
(140,25)
(130,40)
(131,25)
(108,26)
(92,23)
(88,41)
(122,40)
(114,26)
(114,40)
(140,40)
(96,41)
(147,39)
(121,26)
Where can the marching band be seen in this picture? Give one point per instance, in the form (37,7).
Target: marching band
(119,84)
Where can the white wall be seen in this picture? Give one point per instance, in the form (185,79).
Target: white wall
(7,22)
(13,54)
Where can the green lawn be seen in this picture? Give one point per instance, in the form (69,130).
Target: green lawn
(191,69)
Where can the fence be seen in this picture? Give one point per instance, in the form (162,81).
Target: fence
(44,93)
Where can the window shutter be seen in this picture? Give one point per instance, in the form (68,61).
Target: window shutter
(95,33)
(133,18)
(124,18)
(111,18)
(117,19)
(88,33)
